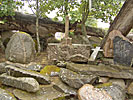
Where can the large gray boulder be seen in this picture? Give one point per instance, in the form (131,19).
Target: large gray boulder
(20,48)
(76,80)
(24,83)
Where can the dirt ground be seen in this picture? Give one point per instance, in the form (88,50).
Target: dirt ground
(39,59)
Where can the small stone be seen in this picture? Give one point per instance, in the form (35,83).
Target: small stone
(60,86)
(76,80)
(103,79)
(4,95)
(17,72)
(88,92)
(46,92)
(34,67)
(24,83)
(78,58)
(2,68)
(61,64)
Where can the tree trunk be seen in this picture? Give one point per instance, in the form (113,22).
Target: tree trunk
(123,23)
(37,27)
(47,27)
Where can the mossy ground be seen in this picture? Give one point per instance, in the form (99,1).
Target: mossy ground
(49,69)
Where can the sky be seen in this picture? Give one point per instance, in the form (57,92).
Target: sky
(100,24)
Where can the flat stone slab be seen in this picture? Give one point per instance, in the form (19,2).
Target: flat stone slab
(24,83)
(109,71)
(76,80)
(123,52)
(4,95)
(46,92)
(17,72)
(59,85)
(63,52)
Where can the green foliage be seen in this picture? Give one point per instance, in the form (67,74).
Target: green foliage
(7,7)
(105,9)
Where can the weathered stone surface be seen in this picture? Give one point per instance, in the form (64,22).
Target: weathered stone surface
(60,86)
(21,48)
(119,82)
(109,71)
(130,89)
(17,72)
(115,91)
(31,66)
(24,83)
(88,92)
(123,51)
(108,47)
(76,80)
(34,66)
(2,68)
(4,95)
(63,52)
(78,58)
(46,92)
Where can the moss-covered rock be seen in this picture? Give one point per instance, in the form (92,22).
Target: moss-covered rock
(51,70)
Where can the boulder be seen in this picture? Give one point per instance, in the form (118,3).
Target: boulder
(2,68)
(88,92)
(115,91)
(78,58)
(119,82)
(46,92)
(110,92)
(20,48)
(130,89)
(76,80)
(4,95)
(24,83)
(108,71)
(62,87)
(17,72)
(123,51)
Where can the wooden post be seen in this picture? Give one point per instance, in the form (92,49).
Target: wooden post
(66,40)
(67,27)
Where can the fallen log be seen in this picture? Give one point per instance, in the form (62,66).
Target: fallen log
(27,23)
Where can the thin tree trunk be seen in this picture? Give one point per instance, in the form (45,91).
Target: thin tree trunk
(37,27)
